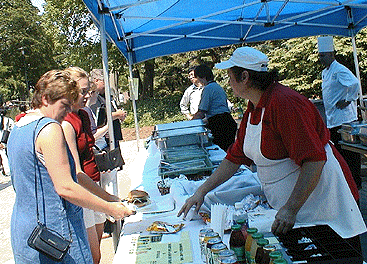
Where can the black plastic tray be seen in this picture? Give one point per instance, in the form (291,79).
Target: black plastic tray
(318,245)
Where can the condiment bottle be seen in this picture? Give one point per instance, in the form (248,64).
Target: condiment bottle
(215,250)
(260,249)
(255,238)
(225,254)
(207,237)
(280,261)
(244,226)
(274,255)
(201,241)
(267,250)
(250,232)
(209,245)
(229,260)
(237,243)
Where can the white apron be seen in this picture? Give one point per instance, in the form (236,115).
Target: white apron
(330,203)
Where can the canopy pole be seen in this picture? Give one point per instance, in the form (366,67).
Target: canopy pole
(356,65)
(129,58)
(117,224)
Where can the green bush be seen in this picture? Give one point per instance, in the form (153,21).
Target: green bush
(155,111)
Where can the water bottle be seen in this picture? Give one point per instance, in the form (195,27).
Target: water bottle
(239,213)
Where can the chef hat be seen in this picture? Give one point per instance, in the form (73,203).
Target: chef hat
(325,44)
(246,57)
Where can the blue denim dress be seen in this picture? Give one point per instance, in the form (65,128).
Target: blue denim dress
(51,208)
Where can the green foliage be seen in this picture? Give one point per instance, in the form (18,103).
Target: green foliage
(21,31)
(155,111)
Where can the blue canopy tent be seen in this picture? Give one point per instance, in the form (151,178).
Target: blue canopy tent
(145,29)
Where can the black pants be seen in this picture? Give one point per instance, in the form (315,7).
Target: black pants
(353,159)
(224,129)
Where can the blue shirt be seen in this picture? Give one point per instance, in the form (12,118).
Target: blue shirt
(213,100)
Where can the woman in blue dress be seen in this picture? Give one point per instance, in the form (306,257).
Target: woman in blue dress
(37,147)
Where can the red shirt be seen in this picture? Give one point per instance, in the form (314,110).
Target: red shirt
(292,128)
(85,142)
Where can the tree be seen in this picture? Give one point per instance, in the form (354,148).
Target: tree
(74,35)
(25,50)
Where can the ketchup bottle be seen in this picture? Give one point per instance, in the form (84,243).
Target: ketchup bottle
(237,243)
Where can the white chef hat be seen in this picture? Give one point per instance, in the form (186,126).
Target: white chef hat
(325,44)
(246,57)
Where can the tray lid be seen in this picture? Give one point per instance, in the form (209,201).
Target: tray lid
(181,131)
(353,127)
(176,125)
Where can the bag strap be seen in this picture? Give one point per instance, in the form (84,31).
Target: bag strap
(35,181)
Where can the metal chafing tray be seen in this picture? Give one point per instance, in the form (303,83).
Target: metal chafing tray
(180,134)
(179,125)
(350,131)
(363,135)
(182,153)
(192,167)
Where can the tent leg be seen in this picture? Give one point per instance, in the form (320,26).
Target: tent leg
(133,101)
(117,224)
(356,65)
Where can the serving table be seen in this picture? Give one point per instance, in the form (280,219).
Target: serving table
(138,246)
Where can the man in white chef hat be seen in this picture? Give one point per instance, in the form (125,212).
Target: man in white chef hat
(340,93)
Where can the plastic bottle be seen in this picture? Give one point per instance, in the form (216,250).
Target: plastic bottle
(253,249)
(215,250)
(201,241)
(280,261)
(260,249)
(274,255)
(267,250)
(250,232)
(239,213)
(237,243)
(207,237)
(225,254)
(244,226)
(209,244)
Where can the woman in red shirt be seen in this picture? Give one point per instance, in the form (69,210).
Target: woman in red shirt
(79,136)
(282,132)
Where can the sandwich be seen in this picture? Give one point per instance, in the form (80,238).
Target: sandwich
(138,198)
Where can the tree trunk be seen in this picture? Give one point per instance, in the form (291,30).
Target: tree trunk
(148,79)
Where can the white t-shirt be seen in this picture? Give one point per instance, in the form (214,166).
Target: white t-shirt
(339,83)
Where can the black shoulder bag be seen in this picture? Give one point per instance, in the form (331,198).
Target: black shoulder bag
(109,160)
(43,239)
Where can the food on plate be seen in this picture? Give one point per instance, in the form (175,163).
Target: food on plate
(138,198)
(163,227)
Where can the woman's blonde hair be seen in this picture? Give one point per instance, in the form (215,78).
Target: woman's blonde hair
(55,85)
(77,73)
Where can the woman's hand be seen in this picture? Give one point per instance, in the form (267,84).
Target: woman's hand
(284,221)
(195,200)
(120,211)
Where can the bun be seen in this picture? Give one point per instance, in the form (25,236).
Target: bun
(138,198)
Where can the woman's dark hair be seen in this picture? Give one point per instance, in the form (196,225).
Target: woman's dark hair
(260,80)
(203,71)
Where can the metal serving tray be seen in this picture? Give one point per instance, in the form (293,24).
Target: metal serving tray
(181,134)
(363,135)
(179,125)
(183,153)
(349,137)
(189,168)
(350,131)
(353,127)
